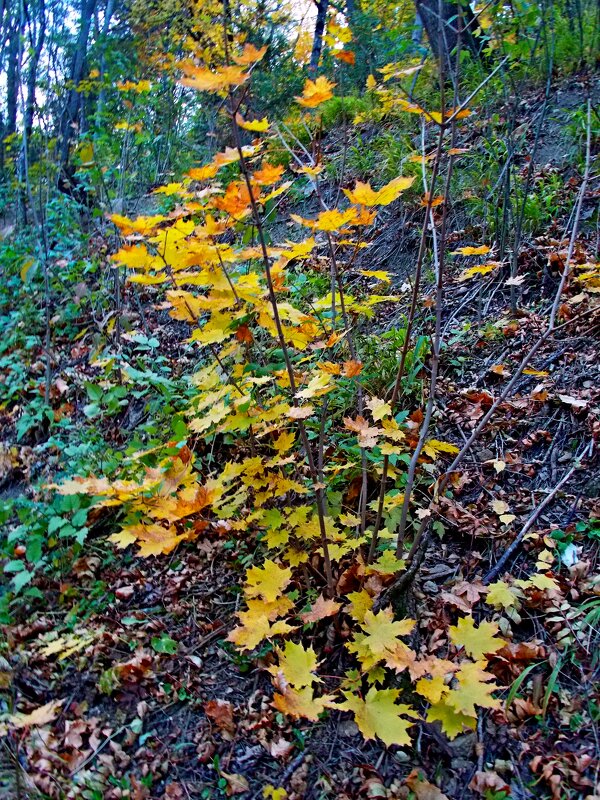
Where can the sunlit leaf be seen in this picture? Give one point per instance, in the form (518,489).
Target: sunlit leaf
(258,125)
(250,54)
(316,92)
(206,80)
(362,194)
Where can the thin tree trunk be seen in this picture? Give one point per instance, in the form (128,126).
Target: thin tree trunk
(417,32)
(35,48)
(322,6)
(72,105)
(12,78)
(104,33)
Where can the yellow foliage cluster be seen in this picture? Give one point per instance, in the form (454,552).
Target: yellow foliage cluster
(235,298)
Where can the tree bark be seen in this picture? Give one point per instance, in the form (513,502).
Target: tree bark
(12,78)
(36,23)
(72,105)
(442,20)
(102,69)
(11,54)
(36,44)
(322,6)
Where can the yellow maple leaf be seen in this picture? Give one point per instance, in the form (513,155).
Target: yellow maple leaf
(388,449)
(211,416)
(134,256)
(128,126)
(141,225)
(270,609)
(363,195)
(379,715)
(433,446)
(539,581)
(250,54)
(257,125)
(501,595)
(380,274)
(482,269)
(453,722)
(431,689)
(319,384)
(267,581)
(479,250)
(380,637)
(298,249)
(203,173)
(185,306)
(296,664)
(66,645)
(328,220)
(152,540)
(116,492)
(473,689)
(538,373)
(387,563)
(436,116)
(170,189)
(378,408)
(275,193)
(382,630)
(296,556)
(271,793)
(284,442)
(311,171)
(360,602)
(255,629)
(205,80)
(477,641)
(123,538)
(391,430)
(217,329)
(341,32)
(316,92)
(298,703)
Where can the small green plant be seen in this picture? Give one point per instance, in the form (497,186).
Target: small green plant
(380,356)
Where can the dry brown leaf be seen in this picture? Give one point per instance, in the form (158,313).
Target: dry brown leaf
(488,782)
(321,608)
(236,784)
(422,789)
(221,713)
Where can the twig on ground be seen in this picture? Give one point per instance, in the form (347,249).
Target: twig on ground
(516,543)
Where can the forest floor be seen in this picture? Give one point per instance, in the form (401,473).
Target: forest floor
(155,703)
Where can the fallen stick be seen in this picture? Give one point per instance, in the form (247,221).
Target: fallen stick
(512,549)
